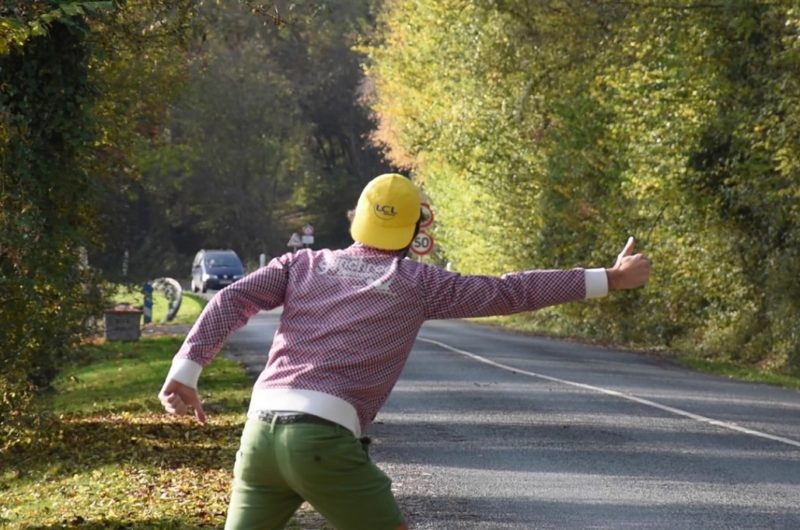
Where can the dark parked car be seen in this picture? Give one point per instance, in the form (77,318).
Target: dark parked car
(215,269)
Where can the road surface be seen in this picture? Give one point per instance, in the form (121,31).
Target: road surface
(494,430)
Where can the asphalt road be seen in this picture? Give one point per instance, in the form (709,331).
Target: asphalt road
(494,430)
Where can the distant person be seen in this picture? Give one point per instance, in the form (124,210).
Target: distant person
(350,318)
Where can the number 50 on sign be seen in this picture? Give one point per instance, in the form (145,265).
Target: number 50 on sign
(423,244)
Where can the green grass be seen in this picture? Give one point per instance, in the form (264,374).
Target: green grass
(719,366)
(739,371)
(191,304)
(107,457)
(121,376)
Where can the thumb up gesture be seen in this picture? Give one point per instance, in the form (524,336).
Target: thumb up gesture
(630,271)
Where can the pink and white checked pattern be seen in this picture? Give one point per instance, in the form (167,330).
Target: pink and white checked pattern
(351,316)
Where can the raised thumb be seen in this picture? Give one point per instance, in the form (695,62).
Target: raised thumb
(628,250)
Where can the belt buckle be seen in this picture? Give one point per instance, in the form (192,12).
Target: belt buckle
(280,418)
(264,415)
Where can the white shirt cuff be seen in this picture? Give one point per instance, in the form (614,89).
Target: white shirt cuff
(596,282)
(185,371)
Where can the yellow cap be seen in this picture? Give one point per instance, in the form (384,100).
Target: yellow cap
(387,213)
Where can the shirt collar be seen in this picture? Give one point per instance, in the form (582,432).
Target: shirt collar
(365,249)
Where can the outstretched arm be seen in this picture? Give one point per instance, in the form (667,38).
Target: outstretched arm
(450,295)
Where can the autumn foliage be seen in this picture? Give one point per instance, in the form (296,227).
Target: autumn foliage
(547,132)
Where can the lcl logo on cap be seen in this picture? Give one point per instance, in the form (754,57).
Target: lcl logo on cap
(385,211)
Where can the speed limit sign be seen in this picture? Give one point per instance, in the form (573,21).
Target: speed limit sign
(423,244)
(427,215)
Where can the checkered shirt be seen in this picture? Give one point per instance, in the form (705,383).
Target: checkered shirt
(350,316)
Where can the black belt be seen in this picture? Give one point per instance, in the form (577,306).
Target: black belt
(285,419)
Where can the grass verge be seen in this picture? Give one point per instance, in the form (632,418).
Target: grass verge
(718,366)
(106,457)
(191,304)
(739,371)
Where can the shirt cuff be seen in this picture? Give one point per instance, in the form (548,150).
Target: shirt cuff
(185,371)
(596,282)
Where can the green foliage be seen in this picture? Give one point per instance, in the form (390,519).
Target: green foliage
(141,64)
(66,127)
(20,21)
(269,122)
(46,293)
(151,128)
(740,370)
(238,122)
(547,132)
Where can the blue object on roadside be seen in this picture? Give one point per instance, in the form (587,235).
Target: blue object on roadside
(148,302)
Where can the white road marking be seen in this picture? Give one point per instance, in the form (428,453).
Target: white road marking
(622,395)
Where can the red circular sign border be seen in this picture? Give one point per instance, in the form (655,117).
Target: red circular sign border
(430,248)
(430,219)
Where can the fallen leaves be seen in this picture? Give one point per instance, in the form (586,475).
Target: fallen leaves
(123,469)
(124,465)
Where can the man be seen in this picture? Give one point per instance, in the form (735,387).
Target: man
(350,318)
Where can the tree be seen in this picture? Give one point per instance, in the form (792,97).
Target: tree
(65,137)
(545,131)
(271,123)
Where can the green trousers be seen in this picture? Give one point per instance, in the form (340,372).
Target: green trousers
(280,466)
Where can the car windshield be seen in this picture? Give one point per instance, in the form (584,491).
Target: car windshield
(223,260)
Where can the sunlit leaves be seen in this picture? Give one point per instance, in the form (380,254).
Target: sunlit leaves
(547,132)
(19,24)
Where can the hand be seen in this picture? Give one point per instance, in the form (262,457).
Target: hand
(630,271)
(177,398)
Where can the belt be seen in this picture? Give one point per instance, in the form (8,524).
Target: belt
(285,419)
